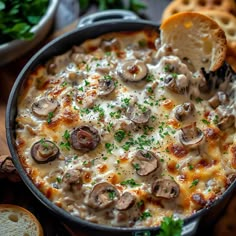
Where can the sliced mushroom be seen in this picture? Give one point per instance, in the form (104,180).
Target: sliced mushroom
(220,98)
(72,176)
(226,122)
(145,162)
(133,70)
(106,86)
(138,113)
(125,202)
(184,111)
(165,188)
(44,106)
(110,45)
(102,196)
(85,138)
(44,151)
(176,83)
(191,136)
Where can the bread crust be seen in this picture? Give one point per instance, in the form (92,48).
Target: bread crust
(22,211)
(196,5)
(208,37)
(227,22)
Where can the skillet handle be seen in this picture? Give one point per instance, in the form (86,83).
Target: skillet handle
(107,15)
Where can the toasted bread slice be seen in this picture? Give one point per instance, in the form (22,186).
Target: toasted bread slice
(197,37)
(227,22)
(16,220)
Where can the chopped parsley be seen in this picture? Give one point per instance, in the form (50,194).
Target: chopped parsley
(109,147)
(145,215)
(136,166)
(66,144)
(50,116)
(116,114)
(194,183)
(150,78)
(198,100)
(119,135)
(130,182)
(205,121)
(111,194)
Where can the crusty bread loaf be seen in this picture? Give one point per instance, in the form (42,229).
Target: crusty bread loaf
(197,37)
(17,221)
(197,5)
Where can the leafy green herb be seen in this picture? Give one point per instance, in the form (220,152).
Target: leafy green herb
(136,166)
(150,78)
(216,119)
(109,147)
(130,182)
(111,194)
(119,135)
(50,116)
(66,144)
(145,215)
(59,179)
(194,183)
(170,227)
(198,100)
(18,17)
(205,121)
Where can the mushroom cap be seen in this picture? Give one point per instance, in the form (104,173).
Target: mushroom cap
(133,70)
(44,151)
(102,196)
(138,113)
(125,202)
(184,111)
(165,188)
(191,136)
(145,162)
(106,86)
(44,106)
(226,122)
(85,138)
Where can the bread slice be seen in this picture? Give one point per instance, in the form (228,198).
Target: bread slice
(197,38)
(17,221)
(227,22)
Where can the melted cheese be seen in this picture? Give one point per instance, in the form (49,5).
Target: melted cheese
(202,173)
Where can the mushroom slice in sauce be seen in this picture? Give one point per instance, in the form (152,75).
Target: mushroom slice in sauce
(44,106)
(145,162)
(133,70)
(44,151)
(165,188)
(226,122)
(103,195)
(176,83)
(85,138)
(191,136)
(220,98)
(106,86)
(138,113)
(125,202)
(184,111)
(109,45)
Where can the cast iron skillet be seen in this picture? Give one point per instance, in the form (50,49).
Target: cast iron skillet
(90,27)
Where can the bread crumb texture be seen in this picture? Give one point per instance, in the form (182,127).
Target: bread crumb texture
(17,221)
